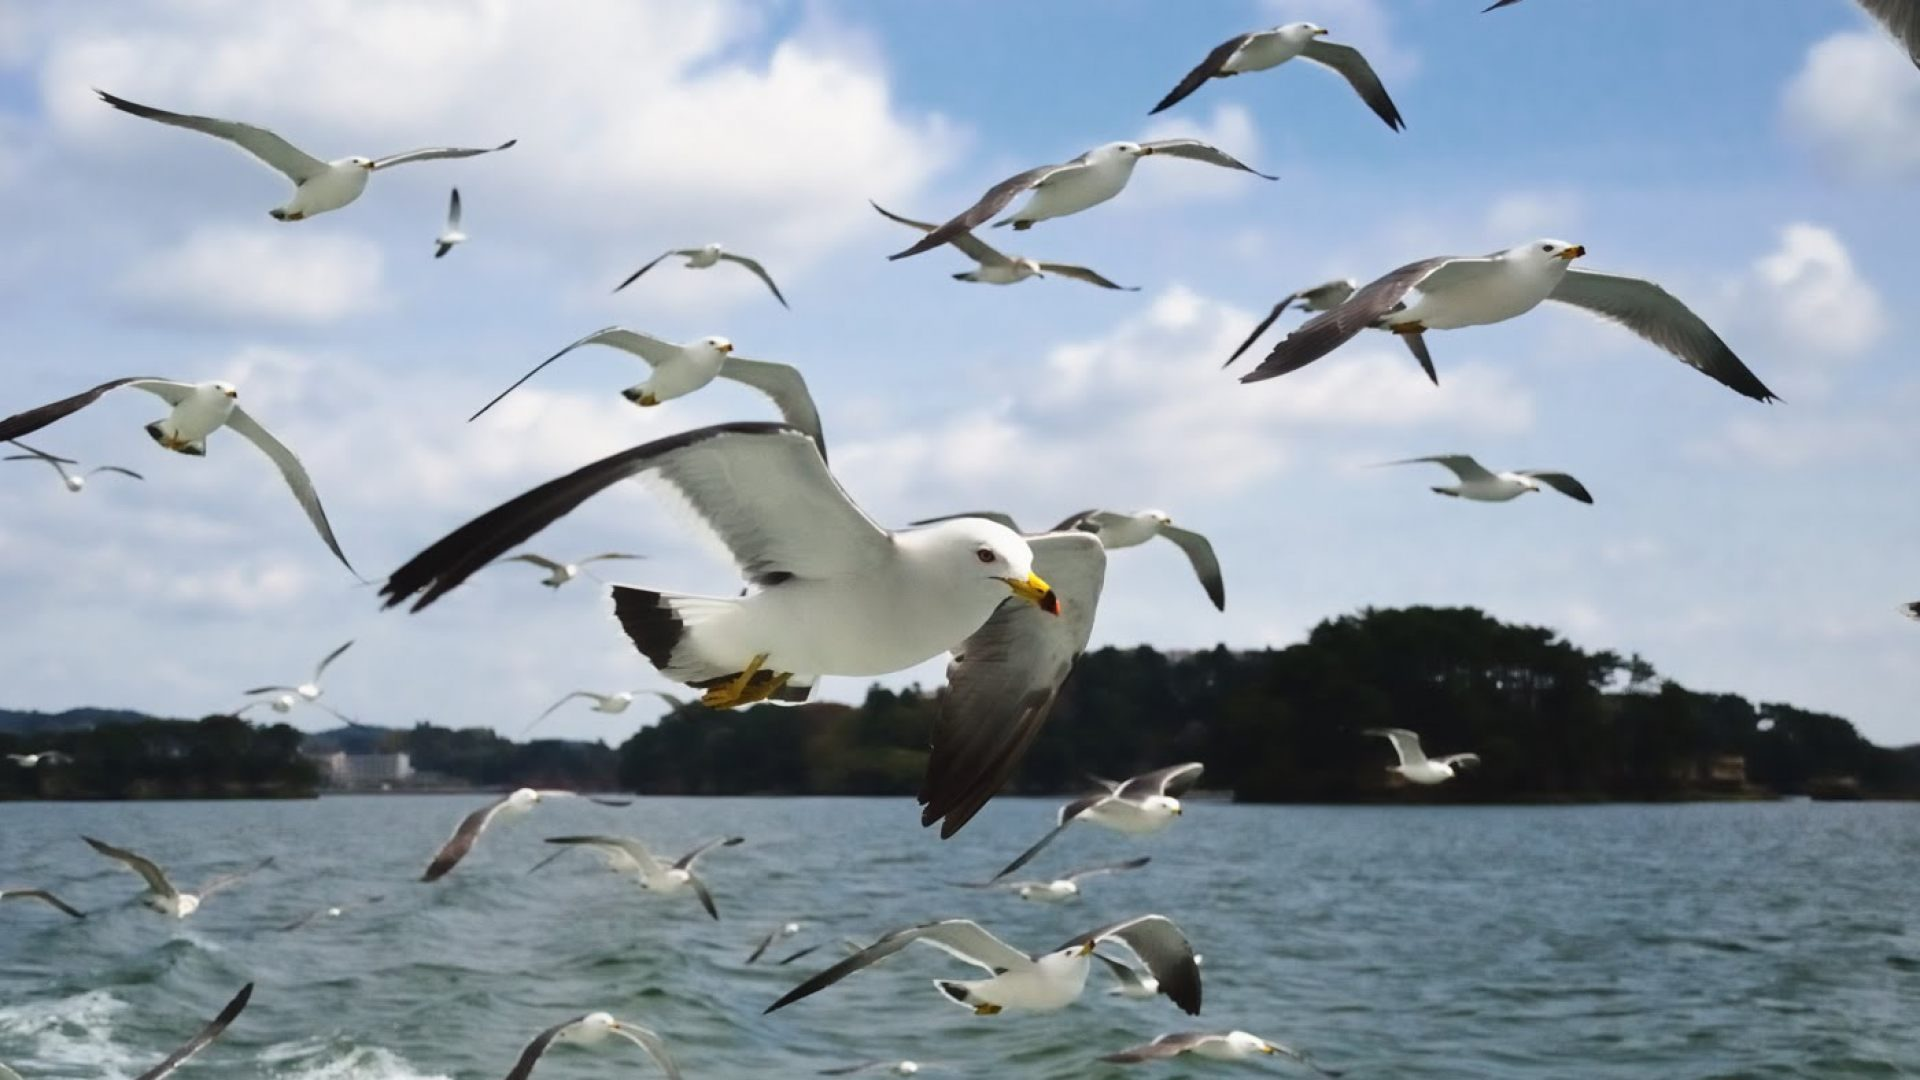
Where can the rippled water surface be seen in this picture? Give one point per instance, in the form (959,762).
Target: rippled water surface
(1623,941)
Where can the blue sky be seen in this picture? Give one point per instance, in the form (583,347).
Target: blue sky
(1766,178)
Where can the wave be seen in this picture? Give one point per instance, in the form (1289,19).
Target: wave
(334,1059)
(69,1033)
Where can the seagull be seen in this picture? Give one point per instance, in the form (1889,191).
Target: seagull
(1911,611)
(702,257)
(44,897)
(611,704)
(897,1068)
(199,410)
(332,912)
(626,853)
(679,370)
(1453,292)
(1263,49)
(1118,530)
(308,691)
(587,1030)
(1414,763)
(43,757)
(778,933)
(835,594)
(318,186)
(285,703)
(999,269)
(199,1042)
(1070,187)
(559,573)
(506,808)
(1138,806)
(848,944)
(1227,1046)
(1478,484)
(1322,297)
(1064,887)
(161,896)
(1043,982)
(74,483)
(1130,983)
(451,235)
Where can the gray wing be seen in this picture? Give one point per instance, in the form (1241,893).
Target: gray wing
(434,153)
(1911,611)
(1195,150)
(228,881)
(765,943)
(453,210)
(1497,4)
(538,560)
(1353,67)
(26,423)
(1106,868)
(685,862)
(1329,330)
(44,897)
(609,555)
(655,1047)
(295,475)
(970,245)
(1206,69)
(1079,273)
(655,261)
(321,668)
(785,385)
(1460,759)
(462,840)
(279,154)
(51,462)
(706,898)
(1206,565)
(1902,20)
(625,845)
(1122,973)
(994,516)
(115,469)
(1172,780)
(864,1066)
(207,1034)
(1067,814)
(1003,680)
(759,272)
(763,488)
(645,346)
(994,201)
(1164,949)
(139,864)
(40,454)
(550,709)
(1462,466)
(1657,316)
(530,1055)
(1261,328)
(961,938)
(1166,1046)
(1406,744)
(1564,484)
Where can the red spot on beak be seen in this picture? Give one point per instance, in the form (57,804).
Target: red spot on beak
(1050,603)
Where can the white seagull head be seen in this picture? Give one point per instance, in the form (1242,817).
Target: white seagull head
(1163,804)
(1118,150)
(1249,1044)
(1545,252)
(592,1028)
(364,162)
(979,550)
(1301,31)
(717,344)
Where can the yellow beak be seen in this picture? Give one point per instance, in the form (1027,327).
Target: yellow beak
(1035,591)
(1573,252)
(1320,33)
(1087,949)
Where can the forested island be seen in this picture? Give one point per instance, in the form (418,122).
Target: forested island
(1551,722)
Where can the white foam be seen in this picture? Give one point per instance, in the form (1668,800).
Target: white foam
(75,1032)
(323,1059)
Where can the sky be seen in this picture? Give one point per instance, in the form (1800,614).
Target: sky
(1767,178)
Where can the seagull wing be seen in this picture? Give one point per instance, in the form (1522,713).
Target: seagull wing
(41,454)
(655,261)
(651,1042)
(994,516)
(453,210)
(627,846)
(1079,273)
(115,469)
(1462,466)
(645,346)
(1902,20)
(1215,62)
(1656,315)
(706,898)
(1460,759)
(1206,565)
(530,1055)
(435,153)
(685,862)
(462,841)
(51,462)
(763,488)
(1329,330)
(785,385)
(606,556)
(44,897)
(994,201)
(228,881)
(1004,678)
(1172,780)
(597,699)
(758,271)
(765,943)
(864,1066)
(1561,482)
(1166,1046)
(1122,973)
(961,938)
(155,878)
(26,423)
(321,668)
(1406,744)
(295,474)
(207,1034)
(1195,150)
(1353,67)
(1106,868)
(1067,815)
(282,156)
(1164,949)
(540,561)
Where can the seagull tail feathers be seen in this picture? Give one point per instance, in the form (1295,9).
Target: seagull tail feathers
(157,431)
(658,624)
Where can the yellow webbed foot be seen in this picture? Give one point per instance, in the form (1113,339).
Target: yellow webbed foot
(735,692)
(986,1010)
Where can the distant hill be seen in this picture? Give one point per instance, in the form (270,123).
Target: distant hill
(15,722)
(364,739)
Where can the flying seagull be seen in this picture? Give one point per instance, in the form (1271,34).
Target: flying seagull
(778,933)
(43,757)
(897,1068)
(1217,1046)
(506,808)
(1911,611)
(1263,49)
(1414,764)
(199,410)
(1132,983)
(199,1042)
(624,852)
(1453,292)
(999,269)
(611,704)
(451,235)
(73,481)
(286,702)
(1322,297)
(1042,982)
(318,186)
(833,594)
(310,690)
(679,370)
(1064,887)
(559,573)
(587,1030)
(1478,484)
(702,257)
(161,896)
(1137,806)
(1070,187)
(44,897)
(1119,530)
(332,912)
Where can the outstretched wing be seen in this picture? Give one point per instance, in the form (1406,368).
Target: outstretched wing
(1195,150)
(1462,466)
(1562,483)
(962,938)
(786,386)
(321,668)
(1067,815)
(1659,317)
(994,516)
(139,864)
(645,346)
(1164,949)
(1081,273)
(651,263)
(1406,744)
(1166,1046)
(207,1034)
(462,841)
(282,156)
(295,474)
(1214,64)
(1172,780)
(1359,74)
(1329,330)
(434,153)
(26,423)
(685,862)
(1206,565)
(759,272)
(1106,868)
(44,897)
(228,881)
(994,201)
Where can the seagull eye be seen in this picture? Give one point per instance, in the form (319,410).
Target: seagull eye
(1546,248)
(985,555)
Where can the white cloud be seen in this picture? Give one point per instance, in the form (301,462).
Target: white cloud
(1523,215)
(1815,296)
(1856,100)
(251,275)
(1803,440)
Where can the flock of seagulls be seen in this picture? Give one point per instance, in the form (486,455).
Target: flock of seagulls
(833,593)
